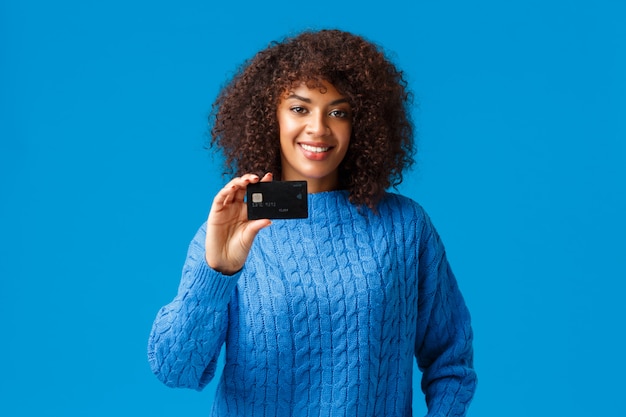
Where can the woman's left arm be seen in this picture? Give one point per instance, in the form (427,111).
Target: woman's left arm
(443,345)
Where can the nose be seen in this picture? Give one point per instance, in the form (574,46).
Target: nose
(317,126)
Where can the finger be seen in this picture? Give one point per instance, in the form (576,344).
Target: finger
(267,177)
(224,195)
(241,184)
(237,190)
(247,179)
(234,190)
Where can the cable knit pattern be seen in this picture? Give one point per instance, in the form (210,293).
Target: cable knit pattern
(324,319)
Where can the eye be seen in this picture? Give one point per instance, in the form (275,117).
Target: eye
(340,114)
(298,109)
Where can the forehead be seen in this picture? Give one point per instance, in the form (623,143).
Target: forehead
(321,89)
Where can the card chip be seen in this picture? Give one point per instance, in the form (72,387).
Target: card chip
(257,197)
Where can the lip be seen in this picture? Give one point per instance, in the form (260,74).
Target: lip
(311,150)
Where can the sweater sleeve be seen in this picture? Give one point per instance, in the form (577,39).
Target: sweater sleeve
(188,333)
(443,345)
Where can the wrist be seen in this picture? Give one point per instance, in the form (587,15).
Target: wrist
(227,270)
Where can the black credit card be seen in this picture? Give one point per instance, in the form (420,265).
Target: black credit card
(277,200)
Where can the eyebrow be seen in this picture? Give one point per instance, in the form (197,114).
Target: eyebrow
(308,100)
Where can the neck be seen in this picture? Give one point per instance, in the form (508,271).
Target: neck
(317,185)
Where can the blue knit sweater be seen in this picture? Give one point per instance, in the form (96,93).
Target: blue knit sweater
(324,319)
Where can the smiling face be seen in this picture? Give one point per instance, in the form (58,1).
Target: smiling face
(315,127)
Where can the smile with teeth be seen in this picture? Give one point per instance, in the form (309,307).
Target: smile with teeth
(314,149)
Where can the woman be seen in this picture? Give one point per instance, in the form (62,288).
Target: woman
(324,315)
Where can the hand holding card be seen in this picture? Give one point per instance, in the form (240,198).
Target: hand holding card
(229,233)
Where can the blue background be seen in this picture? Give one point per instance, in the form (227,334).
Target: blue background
(104,180)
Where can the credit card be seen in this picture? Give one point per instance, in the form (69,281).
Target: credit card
(277,200)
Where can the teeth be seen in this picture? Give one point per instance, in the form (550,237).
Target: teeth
(315,149)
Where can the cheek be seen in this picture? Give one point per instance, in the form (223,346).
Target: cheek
(345,133)
(287,132)
(286,127)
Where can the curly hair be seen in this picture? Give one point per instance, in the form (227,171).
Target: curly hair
(244,123)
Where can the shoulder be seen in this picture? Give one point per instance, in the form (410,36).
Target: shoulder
(410,215)
(399,205)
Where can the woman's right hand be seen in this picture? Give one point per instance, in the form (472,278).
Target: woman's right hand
(229,233)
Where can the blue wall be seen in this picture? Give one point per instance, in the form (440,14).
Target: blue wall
(104,180)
